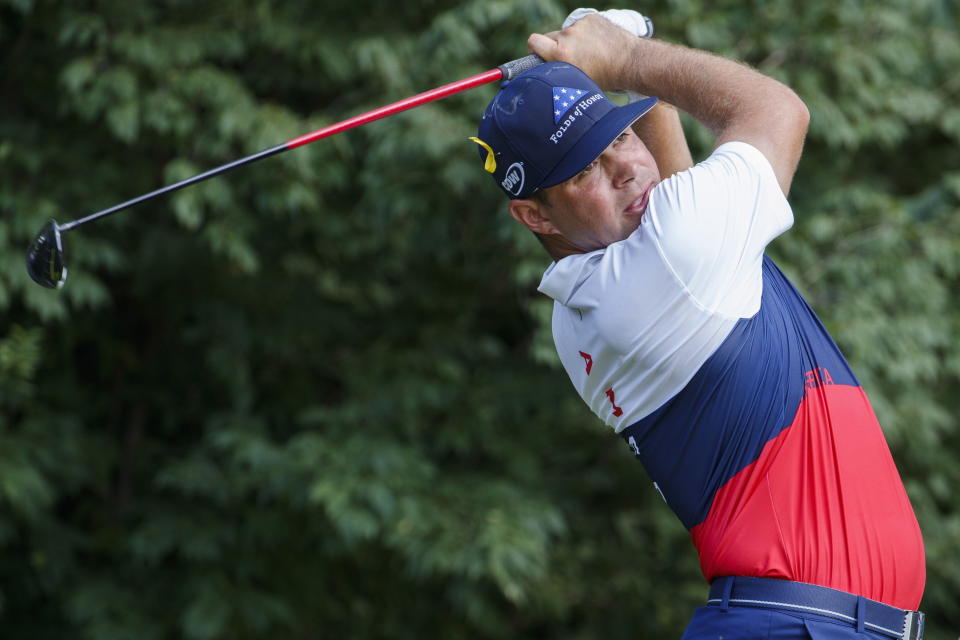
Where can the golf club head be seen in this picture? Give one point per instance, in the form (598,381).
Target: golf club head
(45,258)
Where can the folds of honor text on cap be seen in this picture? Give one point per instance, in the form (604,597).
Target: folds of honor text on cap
(563,99)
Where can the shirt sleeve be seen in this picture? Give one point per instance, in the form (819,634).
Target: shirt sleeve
(712,223)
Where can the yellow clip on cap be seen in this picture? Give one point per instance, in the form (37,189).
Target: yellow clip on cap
(490,164)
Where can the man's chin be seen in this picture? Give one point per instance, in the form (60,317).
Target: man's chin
(632,225)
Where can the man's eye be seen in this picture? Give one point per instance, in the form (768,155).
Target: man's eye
(620,138)
(587,169)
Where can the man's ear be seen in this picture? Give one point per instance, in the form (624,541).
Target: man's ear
(532,215)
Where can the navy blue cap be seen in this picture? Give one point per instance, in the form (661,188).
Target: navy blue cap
(547,124)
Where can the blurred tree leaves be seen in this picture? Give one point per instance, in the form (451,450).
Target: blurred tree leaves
(318,398)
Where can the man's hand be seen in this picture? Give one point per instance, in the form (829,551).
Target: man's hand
(599,48)
(632,22)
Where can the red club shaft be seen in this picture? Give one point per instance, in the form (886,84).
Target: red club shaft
(413,101)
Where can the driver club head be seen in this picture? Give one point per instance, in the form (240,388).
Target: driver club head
(45,258)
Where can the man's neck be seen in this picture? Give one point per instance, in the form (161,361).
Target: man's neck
(558,247)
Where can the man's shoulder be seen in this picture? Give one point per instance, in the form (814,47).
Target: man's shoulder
(746,154)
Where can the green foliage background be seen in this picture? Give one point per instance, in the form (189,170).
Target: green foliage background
(318,398)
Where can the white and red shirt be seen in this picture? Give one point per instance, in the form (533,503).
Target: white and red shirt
(690,343)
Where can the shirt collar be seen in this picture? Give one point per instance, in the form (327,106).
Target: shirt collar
(562,278)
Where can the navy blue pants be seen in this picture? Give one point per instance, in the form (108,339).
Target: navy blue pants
(748,623)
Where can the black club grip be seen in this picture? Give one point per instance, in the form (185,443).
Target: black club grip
(514,68)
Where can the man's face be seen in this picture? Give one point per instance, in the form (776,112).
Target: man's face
(605,202)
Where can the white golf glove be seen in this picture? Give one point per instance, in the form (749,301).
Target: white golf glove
(635,23)
(626,19)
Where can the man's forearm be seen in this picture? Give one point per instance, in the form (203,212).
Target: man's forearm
(662,133)
(722,94)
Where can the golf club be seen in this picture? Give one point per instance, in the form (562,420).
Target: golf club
(45,257)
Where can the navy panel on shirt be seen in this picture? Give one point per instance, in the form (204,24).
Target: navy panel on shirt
(745,394)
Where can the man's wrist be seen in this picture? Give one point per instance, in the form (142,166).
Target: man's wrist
(626,71)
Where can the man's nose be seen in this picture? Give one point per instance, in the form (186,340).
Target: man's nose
(624,171)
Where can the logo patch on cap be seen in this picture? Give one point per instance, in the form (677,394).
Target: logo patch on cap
(563,100)
(514,180)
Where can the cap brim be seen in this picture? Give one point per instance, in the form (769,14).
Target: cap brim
(601,134)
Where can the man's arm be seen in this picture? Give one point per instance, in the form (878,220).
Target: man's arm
(662,133)
(734,101)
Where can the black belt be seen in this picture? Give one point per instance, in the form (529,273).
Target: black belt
(809,598)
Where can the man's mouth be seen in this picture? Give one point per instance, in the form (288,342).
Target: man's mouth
(639,206)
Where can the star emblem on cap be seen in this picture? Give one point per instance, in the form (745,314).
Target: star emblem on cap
(563,99)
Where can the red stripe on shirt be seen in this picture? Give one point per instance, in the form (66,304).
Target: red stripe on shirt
(798,513)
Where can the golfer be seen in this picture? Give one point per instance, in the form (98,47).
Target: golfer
(678,331)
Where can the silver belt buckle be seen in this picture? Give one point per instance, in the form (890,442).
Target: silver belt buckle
(913,625)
